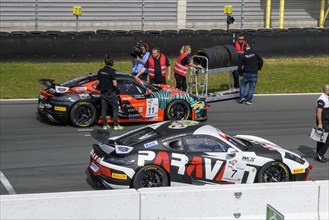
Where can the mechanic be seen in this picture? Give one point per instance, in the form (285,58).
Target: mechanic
(140,60)
(239,45)
(107,84)
(159,67)
(249,64)
(181,67)
(322,122)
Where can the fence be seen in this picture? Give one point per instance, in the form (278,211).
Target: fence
(43,15)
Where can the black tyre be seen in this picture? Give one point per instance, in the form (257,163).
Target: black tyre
(273,172)
(83,114)
(178,110)
(150,176)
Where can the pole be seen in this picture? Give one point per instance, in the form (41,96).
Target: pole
(77,23)
(142,15)
(281,14)
(36,15)
(268,14)
(322,14)
(242,14)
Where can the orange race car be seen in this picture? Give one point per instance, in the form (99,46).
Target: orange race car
(78,101)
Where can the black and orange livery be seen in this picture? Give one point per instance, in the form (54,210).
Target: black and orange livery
(77,101)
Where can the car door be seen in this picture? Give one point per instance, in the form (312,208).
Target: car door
(209,161)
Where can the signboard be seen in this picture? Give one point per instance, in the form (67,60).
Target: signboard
(273,214)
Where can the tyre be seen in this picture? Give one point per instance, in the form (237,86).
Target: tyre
(178,110)
(150,176)
(83,114)
(273,172)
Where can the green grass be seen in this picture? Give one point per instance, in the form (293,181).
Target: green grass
(279,75)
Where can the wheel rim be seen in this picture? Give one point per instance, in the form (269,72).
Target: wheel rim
(178,111)
(275,174)
(151,178)
(83,114)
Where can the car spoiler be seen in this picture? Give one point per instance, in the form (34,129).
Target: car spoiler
(47,82)
(102,136)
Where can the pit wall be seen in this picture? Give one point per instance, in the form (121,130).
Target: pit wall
(294,200)
(90,45)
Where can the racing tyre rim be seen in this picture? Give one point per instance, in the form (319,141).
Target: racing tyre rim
(150,176)
(178,111)
(275,172)
(83,114)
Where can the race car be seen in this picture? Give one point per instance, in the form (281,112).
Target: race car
(78,101)
(182,152)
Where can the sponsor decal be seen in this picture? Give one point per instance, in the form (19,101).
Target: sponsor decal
(151,144)
(140,109)
(48,105)
(84,95)
(299,170)
(82,88)
(60,108)
(248,159)
(182,124)
(119,176)
(233,162)
(198,105)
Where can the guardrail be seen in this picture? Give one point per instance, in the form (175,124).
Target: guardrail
(294,200)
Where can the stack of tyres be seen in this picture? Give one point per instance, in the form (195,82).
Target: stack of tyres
(218,57)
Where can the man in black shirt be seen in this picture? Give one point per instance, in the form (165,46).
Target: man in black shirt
(107,84)
(249,64)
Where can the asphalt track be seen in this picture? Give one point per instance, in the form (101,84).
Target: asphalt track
(37,157)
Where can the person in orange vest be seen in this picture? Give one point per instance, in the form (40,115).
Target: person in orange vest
(181,67)
(240,47)
(158,66)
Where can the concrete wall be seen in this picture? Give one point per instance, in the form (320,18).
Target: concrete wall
(295,200)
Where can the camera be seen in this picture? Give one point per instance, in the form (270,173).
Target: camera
(136,51)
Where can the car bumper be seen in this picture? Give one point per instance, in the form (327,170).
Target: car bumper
(52,112)
(302,176)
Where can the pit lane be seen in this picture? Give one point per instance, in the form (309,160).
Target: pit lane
(38,157)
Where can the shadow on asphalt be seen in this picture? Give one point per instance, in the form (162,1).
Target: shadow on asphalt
(306,151)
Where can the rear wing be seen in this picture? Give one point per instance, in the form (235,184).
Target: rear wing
(47,82)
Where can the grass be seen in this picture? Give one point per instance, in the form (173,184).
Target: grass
(279,75)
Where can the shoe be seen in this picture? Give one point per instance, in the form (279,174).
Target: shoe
(320,158)
(118,127)
(106,127)
(248,103)
(242,100)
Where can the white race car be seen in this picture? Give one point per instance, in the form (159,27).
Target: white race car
(189,152)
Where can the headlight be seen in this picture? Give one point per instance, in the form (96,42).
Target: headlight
(294,158)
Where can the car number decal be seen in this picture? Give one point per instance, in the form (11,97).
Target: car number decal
(152,106)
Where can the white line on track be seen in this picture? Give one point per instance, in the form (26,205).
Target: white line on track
(5,182)
(85,129)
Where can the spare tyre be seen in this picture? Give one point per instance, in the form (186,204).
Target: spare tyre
(234,56)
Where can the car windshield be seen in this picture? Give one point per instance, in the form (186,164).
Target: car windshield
(138,136)
(244,146)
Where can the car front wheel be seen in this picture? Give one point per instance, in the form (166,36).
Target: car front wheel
(273,172)
(83,114)
(150,176)
(178,110)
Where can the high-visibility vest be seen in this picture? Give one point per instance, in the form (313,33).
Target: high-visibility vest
(162,64)
(240,48)
(179,68)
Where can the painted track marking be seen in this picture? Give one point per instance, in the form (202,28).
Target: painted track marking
(5,182)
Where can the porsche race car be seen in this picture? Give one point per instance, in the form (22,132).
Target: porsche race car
(189,152)
(78,101)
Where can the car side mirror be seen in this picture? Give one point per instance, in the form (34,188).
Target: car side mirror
(231,152)
(149,91)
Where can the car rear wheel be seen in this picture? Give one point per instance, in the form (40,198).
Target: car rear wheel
(150,176)
(178,110)
(83,114)
(273,172)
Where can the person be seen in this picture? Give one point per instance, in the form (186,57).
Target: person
(239,45)
(181,67)
(140,60)
(249,64)
(159,67)
(322,122)
(107,84)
